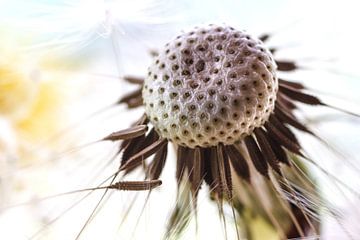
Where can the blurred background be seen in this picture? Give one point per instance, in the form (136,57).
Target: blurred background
(61,68)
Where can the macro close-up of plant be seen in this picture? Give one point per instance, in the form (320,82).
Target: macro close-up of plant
(150,120)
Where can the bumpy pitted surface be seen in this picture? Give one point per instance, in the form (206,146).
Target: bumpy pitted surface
(211,85)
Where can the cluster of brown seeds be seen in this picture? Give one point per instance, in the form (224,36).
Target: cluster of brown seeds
(214,93)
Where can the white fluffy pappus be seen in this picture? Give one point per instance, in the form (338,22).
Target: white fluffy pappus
(73,25)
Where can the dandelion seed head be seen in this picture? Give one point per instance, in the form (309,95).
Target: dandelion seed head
(210,85)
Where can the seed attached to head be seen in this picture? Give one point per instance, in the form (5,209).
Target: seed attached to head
(216,85)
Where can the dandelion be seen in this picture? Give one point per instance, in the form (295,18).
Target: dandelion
(214,94)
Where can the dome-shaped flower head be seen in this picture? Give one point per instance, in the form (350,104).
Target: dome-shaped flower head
(214,93)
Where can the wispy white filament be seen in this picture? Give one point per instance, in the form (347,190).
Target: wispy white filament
(79,23)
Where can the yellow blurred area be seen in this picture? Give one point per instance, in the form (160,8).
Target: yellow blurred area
(32,100)
(34,110)
(16,91)
(34,93)
(43,115)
